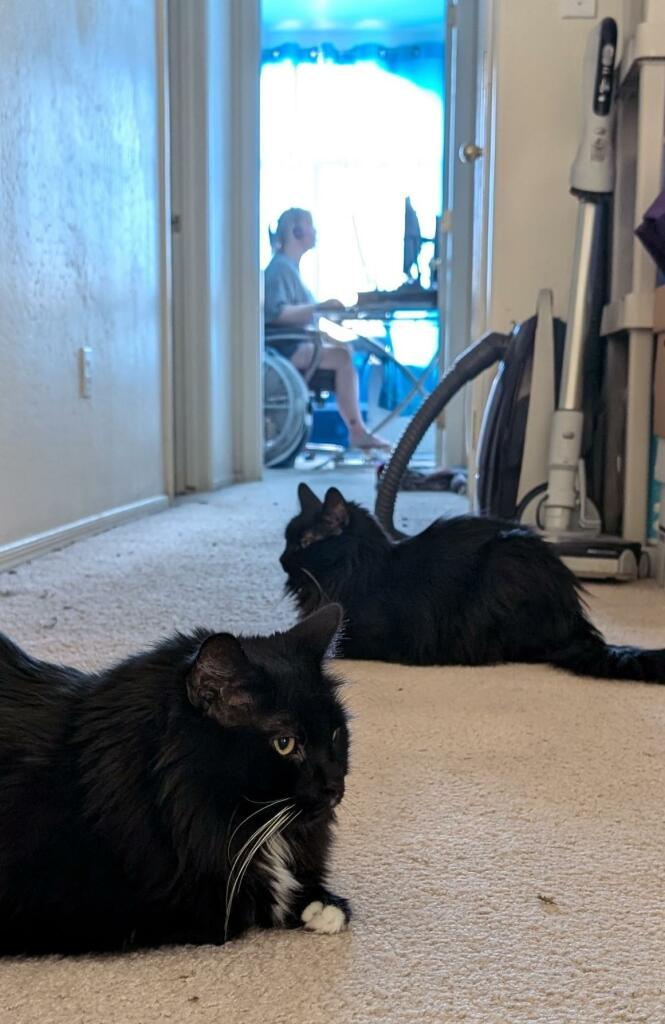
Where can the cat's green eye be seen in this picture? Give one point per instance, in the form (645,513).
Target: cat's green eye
(284,745)
(335,734)
(307,538)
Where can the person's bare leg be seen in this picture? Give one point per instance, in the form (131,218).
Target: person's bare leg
(303,355)
(339,359)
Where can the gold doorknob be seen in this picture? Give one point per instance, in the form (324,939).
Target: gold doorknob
(469,152)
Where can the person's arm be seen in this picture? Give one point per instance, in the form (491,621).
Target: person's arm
(301,315)
(283,297)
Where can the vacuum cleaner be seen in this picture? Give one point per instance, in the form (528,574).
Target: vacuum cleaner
(532,462)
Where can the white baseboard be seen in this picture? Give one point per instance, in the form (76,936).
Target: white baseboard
(39,543)
(223,481)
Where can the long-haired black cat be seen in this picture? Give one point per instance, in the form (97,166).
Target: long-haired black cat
(465,591)
(180,797)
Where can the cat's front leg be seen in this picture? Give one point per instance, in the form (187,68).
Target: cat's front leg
(319,910)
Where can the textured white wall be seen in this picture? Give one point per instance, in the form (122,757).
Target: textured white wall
(538,117)
(78,260)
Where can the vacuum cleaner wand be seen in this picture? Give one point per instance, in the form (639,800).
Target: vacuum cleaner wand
(592,181)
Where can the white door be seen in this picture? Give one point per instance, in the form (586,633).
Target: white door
(483,187)
(465,247)
(214,76)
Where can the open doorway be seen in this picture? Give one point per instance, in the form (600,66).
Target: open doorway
(352,126)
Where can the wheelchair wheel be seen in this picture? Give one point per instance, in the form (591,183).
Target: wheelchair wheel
(287,416)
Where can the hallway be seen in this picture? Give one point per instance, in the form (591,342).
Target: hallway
(502,837)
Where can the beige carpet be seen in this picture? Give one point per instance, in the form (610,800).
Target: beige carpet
(503,838)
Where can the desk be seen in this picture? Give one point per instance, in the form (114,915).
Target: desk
(389,315)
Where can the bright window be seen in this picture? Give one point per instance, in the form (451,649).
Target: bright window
(349,137)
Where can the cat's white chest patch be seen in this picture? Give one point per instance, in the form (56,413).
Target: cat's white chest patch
(327,919)
(276,863)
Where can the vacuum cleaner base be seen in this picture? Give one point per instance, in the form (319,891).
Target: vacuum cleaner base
(599,558)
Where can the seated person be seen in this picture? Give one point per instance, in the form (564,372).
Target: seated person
(288,303)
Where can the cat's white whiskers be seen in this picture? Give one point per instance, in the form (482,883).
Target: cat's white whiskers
(277,827)
(276,824)
(282,799)
(263,840)
(232,878)
(263,836)
(265,805)
(250,840)
(269,803)
(232,882)
(277,866)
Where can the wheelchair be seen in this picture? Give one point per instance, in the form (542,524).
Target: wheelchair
(289,395)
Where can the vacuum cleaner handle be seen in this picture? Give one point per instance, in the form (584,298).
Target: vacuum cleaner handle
(592,181)
(488,350)
(592,173)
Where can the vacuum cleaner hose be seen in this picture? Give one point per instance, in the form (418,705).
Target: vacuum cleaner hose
(469,364)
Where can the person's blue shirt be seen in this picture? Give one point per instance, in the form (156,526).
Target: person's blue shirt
(283,286)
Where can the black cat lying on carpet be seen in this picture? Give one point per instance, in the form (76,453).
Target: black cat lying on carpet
(183,796)
(465,591)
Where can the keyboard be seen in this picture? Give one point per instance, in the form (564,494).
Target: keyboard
(407,296)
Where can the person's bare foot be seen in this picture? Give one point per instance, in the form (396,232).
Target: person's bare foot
(363,439)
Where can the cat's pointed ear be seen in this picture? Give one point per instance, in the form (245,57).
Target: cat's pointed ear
(335,510)
(218,682)
(308,500)
(317,632)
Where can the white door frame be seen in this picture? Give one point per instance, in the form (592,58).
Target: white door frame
(195,90)
(456,233)
(483,218)
(190,244)
(247,316)
(466,227)
(165,265)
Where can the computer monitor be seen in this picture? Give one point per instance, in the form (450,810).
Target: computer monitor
(436,258)
(413,241)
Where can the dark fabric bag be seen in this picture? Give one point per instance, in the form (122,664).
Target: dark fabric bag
(651,232)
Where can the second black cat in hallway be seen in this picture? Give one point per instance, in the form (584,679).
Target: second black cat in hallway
(465,591)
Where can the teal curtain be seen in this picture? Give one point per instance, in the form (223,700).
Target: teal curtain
(420,63)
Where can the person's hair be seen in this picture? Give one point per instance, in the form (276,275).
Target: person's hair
(286,222)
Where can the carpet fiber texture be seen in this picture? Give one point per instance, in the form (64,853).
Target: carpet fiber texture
(503,836)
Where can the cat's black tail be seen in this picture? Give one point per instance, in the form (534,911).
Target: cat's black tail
(593,657)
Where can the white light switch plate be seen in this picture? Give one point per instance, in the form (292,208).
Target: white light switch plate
(85,372)
(577,8)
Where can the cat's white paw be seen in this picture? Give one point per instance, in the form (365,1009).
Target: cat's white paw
(326,919)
